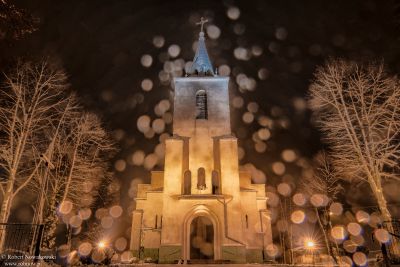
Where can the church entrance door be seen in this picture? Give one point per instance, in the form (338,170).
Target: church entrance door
(201,239)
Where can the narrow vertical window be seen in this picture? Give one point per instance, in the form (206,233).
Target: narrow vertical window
(247,221)
(155,226)
(187,182)
(215,182)
(201,179)
(201,105)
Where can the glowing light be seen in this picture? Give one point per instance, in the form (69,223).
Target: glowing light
(310,244)
(360,258)
(298,217)
(241,53)
(350,246)
(289,155)
(248,117)
(264,134)
(336,209)
(85,213)
(263,74)
(375,219)
(278,168)
(138,157)
(147,85)
(65,207)
(358,239)
(146,60)
(284,189)
(213,32)
(115,211)
(120,165)
(121,244)
(237,102)
(85,249)
(101,244)
(158,126)
(233,13)
(150,161)
(252,107)
(319,200)
(256,50)
(339,232)
(260,147)
(174,50)
(382,235)
(224,70)
(346,261)
(143,123)
(299,199)
(362,216)
(158,41)
(354,228)
(75,221)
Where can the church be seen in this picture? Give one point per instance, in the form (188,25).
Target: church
(202,207)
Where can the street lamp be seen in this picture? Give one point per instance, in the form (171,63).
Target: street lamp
(101,244)
(310,244)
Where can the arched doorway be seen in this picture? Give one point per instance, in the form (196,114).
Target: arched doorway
(201,239)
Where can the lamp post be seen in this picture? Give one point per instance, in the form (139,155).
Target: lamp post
(309,245)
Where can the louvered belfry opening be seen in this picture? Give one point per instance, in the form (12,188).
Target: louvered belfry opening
(201,105)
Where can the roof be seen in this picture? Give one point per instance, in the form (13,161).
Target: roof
(201,63)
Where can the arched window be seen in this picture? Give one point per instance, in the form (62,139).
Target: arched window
(201,179)
(201,105)
(215,182)
(187,182)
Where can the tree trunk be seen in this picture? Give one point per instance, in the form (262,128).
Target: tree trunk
(386,216)
(50,225)
(321,225)
(5,209)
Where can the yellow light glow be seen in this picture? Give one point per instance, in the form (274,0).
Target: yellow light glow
(101,244)
(309,244)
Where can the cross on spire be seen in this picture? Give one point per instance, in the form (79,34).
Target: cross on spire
(201,22)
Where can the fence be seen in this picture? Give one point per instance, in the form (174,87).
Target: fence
(21,239)
(394,231)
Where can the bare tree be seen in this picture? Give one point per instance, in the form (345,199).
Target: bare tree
(50,147)
(30,101)
(358,110)
(324,181)
(80,167)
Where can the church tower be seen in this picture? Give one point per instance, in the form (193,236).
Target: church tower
(202,207)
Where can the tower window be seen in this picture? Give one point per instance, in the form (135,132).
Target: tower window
(187,182)
(201,105)
(201,179)
(215,182)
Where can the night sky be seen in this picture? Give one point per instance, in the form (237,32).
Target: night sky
(274,46)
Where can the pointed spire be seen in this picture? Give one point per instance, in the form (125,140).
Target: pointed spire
(201,63)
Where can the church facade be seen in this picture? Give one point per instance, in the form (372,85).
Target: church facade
(201,207)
